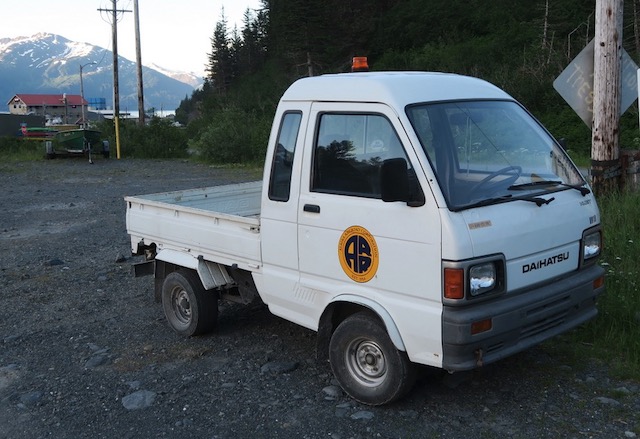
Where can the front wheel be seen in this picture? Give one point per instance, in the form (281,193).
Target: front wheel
(189,308)
(366,363)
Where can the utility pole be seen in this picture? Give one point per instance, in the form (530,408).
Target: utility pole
(66,109)
(139,63)
(84,122)
(116,93)
(606,169)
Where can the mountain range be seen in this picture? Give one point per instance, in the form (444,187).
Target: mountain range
(47,63)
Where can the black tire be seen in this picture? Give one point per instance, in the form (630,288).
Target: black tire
(188,307)
(367,364)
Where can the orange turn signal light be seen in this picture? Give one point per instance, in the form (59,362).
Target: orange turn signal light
(481,326)
(453,283)
(598,283)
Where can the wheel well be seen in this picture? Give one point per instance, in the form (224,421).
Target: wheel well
(332,316)
(162,270)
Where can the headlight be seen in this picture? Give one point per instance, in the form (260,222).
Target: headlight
(473,279)
(482,278)
(591,245)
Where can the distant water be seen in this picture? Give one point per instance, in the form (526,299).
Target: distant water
(134,114)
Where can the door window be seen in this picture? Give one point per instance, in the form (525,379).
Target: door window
(280,182)
(349,152)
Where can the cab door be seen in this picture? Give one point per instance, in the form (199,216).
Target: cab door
(279,277)
(354,246)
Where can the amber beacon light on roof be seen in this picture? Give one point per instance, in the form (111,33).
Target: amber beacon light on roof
(359,64)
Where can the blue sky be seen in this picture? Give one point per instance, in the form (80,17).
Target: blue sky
(174,34)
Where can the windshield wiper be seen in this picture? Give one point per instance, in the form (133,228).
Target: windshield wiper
(503,199)
(523,186)
(539,201)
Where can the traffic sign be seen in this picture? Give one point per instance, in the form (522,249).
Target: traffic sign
(575,83)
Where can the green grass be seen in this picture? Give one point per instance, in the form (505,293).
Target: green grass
(13,150)
(614,336)
(581,159)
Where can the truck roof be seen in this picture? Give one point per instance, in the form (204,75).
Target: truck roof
(394,88)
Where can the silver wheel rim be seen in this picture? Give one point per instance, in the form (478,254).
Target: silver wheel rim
(181,306)
(366,362)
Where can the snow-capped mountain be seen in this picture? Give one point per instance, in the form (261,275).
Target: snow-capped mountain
(188,78)
(47,63)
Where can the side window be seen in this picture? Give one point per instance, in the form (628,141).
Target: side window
(282,165)
(349,152)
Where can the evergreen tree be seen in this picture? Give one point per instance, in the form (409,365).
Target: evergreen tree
(253,53)
(236,47)
(220,68)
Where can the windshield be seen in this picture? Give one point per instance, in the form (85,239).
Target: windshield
(490,151)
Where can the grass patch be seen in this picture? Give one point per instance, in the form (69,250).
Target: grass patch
(614,335)
(581,159)
(13,150)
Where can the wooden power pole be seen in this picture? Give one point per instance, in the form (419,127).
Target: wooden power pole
(136,18)
(116,92)
(606,167)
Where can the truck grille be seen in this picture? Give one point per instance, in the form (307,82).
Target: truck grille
(543,325)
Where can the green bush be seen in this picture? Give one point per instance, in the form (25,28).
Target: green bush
(157,140)
(233,135)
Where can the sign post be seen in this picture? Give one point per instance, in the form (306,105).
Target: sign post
(614,86)
(606,169)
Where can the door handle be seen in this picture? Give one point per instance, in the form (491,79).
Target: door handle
(313,208)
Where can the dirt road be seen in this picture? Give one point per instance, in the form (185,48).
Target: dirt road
(85,351)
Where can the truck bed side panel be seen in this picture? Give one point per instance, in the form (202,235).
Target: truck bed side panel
(221,224)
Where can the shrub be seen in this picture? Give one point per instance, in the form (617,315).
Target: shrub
(159,139)
(233,136)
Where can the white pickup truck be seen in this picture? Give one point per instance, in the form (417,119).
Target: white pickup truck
(407,217)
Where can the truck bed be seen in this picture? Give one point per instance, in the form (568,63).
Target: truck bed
(220,223)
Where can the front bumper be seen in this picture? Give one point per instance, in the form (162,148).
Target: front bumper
(518,321)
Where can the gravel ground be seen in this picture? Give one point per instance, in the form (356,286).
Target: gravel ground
(85,351)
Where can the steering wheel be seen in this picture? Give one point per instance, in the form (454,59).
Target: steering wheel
(514,172)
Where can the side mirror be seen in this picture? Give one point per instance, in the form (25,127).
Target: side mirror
(563,143)
(395,184)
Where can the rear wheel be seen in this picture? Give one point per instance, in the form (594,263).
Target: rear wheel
(189,308)
(366,363)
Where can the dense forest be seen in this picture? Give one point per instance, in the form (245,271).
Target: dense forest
(521,46)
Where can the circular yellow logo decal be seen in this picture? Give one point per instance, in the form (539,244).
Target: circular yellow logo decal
(358,254)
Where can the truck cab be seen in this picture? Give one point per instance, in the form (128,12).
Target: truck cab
(418,218)
(435,201)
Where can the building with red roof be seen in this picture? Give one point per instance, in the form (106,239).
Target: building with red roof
(66,107)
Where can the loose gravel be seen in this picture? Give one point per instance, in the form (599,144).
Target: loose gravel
(85,351)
